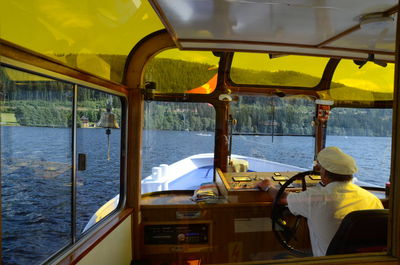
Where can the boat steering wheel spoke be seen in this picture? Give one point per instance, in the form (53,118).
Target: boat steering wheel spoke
(284,230)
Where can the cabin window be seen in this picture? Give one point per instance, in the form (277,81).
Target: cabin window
(370,130)
(366,84)
(268,69)
(39,187)
(36,141)
(101,147)
(178,146)
(273,129)
(175,71)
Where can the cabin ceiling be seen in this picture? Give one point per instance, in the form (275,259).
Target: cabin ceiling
(349,29)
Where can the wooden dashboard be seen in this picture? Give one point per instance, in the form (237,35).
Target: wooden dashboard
(235,232)
(235,228)
(242,186)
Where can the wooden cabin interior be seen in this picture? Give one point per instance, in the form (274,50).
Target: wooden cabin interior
(108,107)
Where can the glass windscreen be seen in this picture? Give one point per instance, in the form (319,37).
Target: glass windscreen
(95,36)
(175,71)
(273,129)
(270,69)
(369,130)
(178,146)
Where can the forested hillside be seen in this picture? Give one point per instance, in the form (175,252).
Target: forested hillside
(45,102)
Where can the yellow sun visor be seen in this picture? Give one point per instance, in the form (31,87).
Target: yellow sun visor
(370,83)
(95,36)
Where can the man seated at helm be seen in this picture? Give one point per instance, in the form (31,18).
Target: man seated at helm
(325,206)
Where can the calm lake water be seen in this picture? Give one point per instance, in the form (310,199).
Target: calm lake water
(371,153)
(36,175)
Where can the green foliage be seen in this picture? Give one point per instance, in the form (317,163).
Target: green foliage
(255,115)
(176,76)
(31,113)
(45,102)
(179,116)
(281,78)
(360,122)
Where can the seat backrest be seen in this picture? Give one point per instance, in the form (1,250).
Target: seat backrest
(361,231)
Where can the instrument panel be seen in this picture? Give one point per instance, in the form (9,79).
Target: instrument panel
(242,186)
(249,180)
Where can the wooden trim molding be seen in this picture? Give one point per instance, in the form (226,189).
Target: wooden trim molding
(348,259)
(391,11)
(394,220)
(338,36)
(94,239)
(133,78)
(142,53)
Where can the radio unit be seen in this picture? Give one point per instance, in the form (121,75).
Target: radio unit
(176,234)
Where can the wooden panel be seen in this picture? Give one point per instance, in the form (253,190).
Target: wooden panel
(240,231)
(237,232)
(230,245)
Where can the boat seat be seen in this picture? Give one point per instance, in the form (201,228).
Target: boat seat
(361,231)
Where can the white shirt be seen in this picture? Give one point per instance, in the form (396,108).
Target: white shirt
(325,207)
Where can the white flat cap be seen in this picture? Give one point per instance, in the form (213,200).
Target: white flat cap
(336,161)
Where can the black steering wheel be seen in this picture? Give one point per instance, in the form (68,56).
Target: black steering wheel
(283,225)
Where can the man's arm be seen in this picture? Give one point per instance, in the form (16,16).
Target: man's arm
(267,185)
